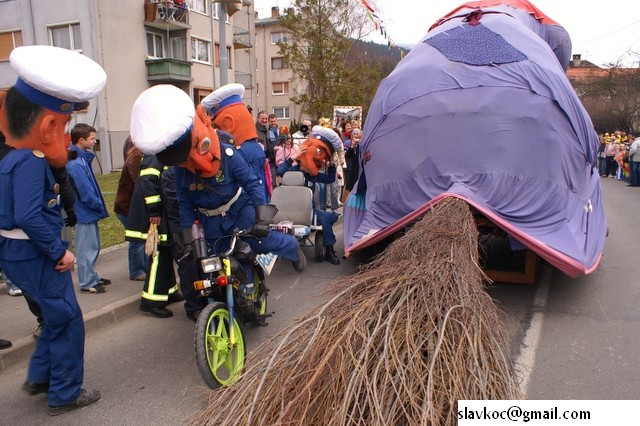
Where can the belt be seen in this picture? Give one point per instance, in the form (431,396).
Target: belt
(14,234)
(222,210)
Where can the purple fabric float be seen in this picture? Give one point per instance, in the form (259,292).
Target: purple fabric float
(503,130)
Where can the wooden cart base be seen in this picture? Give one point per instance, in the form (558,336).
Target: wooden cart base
(519,267)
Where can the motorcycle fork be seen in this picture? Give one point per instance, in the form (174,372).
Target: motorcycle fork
(230,306)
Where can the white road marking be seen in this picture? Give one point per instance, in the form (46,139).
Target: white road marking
(525,361)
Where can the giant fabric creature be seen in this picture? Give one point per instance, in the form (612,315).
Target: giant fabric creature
(492,119)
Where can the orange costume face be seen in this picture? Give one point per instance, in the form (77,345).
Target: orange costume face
(237,120)
(47,135)
(204,156)
(315,154)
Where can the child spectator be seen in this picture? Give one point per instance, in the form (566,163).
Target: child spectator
(90,208)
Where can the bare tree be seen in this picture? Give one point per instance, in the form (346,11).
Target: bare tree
(320,36)
(612,98)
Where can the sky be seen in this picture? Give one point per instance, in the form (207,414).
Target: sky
(601,35)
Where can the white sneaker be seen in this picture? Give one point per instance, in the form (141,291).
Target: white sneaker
(15,292)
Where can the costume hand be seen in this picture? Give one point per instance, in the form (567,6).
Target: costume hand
(71,219)
(66,263)
(155,220)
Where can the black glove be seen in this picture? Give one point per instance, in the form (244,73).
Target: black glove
(265,213)
(260,230)
(71,218)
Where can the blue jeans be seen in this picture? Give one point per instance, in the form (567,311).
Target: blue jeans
(137,259)
(322,196)
(602,166)
(634,173)
(9,283)
(326,220)
(87,250)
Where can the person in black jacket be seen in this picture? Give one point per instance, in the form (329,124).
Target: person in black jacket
(149,206)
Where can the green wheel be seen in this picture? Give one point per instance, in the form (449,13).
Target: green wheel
(220,363)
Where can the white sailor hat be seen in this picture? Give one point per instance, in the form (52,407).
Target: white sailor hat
(224,96)
(328,136)
(161,121)
(56,78)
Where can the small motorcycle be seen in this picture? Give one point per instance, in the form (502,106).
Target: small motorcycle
(233,281)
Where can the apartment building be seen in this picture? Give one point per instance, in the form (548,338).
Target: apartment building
(274,79)
(139,44)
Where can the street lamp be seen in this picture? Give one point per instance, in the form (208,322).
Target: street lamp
(227,7)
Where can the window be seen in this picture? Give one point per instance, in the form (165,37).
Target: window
(66,36)
(8,42)
(216,57)
(200,94)
(179,48)
(278,63)
(278,37)
(200,50)
(280,88)
(199,6)
(155,45)
(215,9)
(281,112)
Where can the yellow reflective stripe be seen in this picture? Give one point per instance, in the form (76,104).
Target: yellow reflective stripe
(155,297)
(135,234)
(144,235)
(153,274)
(152,199)
(150,172)
(173,289)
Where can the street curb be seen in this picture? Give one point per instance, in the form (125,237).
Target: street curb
(95,320)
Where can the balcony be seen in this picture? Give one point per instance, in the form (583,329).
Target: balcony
(165,15)
(245,79)
(241,38)
(168,70)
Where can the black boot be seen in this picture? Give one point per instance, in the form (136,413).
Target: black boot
(330,255)
(301,263)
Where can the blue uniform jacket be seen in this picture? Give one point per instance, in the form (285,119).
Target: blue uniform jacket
(210,193)
(254,153)
(28,200)
(89,203)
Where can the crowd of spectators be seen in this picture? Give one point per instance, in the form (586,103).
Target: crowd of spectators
(619,157)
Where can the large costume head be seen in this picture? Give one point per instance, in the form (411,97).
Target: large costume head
(52,83)
(317,151)
(228,112)
(164,122)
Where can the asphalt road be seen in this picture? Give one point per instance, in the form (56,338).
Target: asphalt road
(572,338)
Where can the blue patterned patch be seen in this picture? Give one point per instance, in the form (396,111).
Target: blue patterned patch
(475,45)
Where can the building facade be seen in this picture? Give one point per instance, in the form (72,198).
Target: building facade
(274,79)
(192,44)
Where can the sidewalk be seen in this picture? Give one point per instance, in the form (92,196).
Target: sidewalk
(120,300)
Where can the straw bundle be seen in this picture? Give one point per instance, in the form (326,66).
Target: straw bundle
(399,344)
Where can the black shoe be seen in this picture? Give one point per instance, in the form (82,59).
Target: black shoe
(301,263)
(86,397)
(35,388)
(104,281)
(176,297)
(157,311)
(5,344)
(193,316)
(330,255)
